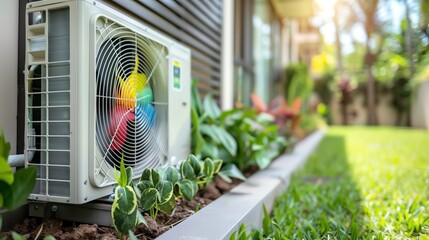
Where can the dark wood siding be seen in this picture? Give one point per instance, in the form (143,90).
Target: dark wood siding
(195,23)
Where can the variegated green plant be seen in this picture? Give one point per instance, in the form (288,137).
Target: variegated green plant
(195,174)
(159,188)
(157,192)
(125,213)
(204,170)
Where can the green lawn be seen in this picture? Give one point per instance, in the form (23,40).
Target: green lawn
(361,183)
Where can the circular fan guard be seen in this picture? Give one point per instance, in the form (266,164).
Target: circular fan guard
(131,100)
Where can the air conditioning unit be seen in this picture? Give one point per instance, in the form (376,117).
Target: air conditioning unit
(100,87)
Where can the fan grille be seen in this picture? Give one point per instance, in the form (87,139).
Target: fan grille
(131,100)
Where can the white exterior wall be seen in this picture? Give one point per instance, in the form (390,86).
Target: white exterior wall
(420,106)
(385,112)
(8,70)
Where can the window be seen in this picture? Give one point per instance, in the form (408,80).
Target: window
(243,60)
(257,50)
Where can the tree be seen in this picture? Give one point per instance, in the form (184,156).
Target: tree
(368,9)
(344,19)
(408,38)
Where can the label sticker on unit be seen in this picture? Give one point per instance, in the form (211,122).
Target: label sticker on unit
(177,78)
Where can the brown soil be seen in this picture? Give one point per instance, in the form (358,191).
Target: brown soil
(33,228)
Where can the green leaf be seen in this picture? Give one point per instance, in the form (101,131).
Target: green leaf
(266,222)
(217,165)
(6,174)
(210,150)
(168,206)
(196,100)
(4,148)
(124,222)
(187,188)
(208,168)
(225,177)
(197,139)
(262,160)
(148,199)
(25,179)
(186,170)
(140,218)
(165,191)
(123,179)
(170,174)
(155,177)
(129,173)
(131,235)
(125,200)
(195,163)
(146,175)
(233,236)
(6,195)
(211,107)
(49,237)
(242,233)
(16,236)
(231,170)
(144,184)
(225,155)
(220,136)
(256,235)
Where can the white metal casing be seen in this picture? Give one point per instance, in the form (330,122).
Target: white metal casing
(78,187)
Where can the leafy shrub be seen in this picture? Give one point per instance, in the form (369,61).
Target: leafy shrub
(240,137)
(298,83)
(209,136)
(257,137)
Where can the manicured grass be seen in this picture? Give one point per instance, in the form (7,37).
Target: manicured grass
(361,183)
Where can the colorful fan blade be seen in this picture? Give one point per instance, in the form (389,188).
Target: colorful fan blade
(145,114)
(145,96)
(119,119)
(129,88)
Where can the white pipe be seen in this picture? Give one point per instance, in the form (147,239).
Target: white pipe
(16,160)
(19,159)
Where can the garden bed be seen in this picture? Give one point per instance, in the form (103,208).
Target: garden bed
(72,228)
(243,204)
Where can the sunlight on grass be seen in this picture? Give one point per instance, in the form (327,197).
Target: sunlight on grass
(361,183)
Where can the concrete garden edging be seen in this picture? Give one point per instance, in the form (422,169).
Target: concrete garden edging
(243,204)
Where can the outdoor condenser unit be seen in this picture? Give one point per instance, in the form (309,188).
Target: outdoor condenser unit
(100,87)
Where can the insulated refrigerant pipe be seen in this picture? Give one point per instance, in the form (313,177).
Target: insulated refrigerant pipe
(18,160)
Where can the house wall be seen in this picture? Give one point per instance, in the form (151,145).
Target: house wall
(9,70)
(358,112)
(197,24)
(420,106)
